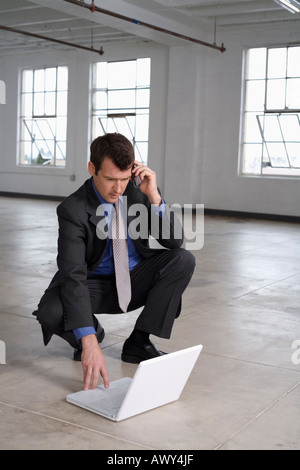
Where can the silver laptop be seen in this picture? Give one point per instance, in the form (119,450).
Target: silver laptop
(156,382)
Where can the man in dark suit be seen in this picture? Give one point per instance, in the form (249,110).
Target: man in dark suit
(86,282)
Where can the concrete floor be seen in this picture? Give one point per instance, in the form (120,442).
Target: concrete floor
(242,305)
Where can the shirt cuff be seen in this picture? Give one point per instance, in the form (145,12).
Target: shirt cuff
(159,210)
(81,332)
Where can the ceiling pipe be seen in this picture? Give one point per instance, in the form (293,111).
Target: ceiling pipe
(92,7)
(46,38)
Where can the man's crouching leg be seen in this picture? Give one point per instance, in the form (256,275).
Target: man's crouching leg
(160,281)
(50,315)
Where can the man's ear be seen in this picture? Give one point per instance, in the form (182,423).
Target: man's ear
(91,168)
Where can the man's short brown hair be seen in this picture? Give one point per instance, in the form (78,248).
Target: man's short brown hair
(114,146)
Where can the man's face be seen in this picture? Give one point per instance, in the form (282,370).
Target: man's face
(110,181)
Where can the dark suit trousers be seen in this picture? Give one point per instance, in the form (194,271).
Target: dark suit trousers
(157,284)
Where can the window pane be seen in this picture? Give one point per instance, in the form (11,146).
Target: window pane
(100,75)
(142,128)
(121,99)
(35,152)
(61,151)
(61,128)
(255,96)
(293,93)
(50,79)
(62,79)
(143,72)
(290,126)
(44,129)
(27,105)
(100,100)
(26,153)
(47,149)
(276,94)
(252,159)
(38,107)
(294,62)
(294,154)
(143,98)
(131,125)
(50,102)
(27,81)
(36,133)
(271,129)
(256,63)
(123,127)
(39,80)
(277,63)
(26,131)
(62,103)
(141,151)
(278,155)
(266,156)
(252,132)
(122,75)
(101,125)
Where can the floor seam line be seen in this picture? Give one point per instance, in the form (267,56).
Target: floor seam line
(86,428)
(274,402)
(251,362)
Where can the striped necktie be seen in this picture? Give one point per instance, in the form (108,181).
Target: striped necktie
(121,259)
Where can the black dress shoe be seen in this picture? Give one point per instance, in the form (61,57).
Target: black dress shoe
(100,334)
(134,354)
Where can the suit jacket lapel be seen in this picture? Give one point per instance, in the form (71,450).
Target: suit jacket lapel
(92,204)
(94,209)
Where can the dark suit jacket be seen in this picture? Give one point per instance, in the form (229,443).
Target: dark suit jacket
(81,249)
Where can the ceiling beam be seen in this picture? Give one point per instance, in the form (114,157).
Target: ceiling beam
(185,26)
(46,38)
(93,8)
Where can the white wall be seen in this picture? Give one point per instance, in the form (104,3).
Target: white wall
(194,127)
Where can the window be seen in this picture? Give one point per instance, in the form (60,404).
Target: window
(271,126)
(121,101)
(43,131)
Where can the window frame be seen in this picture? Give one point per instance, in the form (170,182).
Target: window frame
(53,121)
(122,114)
(264,167)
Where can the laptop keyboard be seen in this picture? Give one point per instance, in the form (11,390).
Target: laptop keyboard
(102,401)
(112,403)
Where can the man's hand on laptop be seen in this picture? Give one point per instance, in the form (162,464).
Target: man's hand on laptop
(93,363)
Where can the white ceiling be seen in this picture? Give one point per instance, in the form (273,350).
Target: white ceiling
(65,21)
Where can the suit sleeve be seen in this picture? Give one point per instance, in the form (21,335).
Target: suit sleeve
(71,261)
(166,227)
(163,224)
